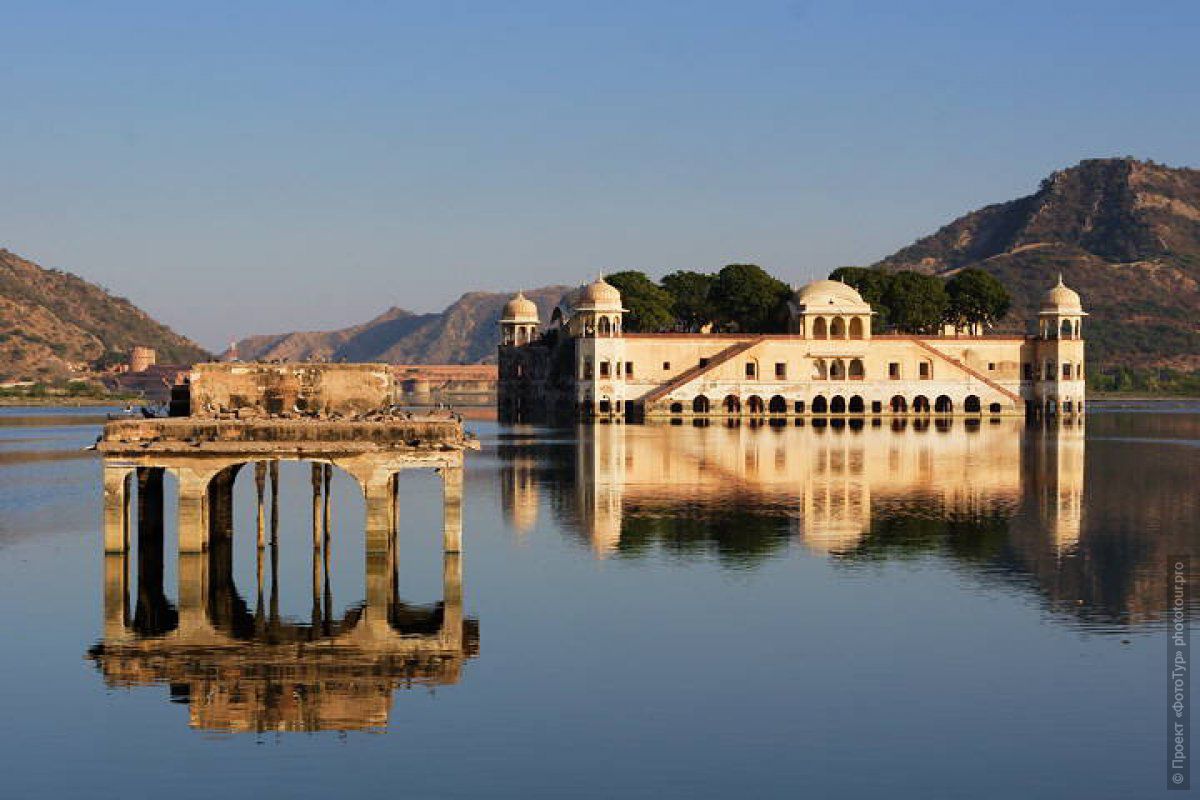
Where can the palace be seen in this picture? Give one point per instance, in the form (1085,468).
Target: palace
(829,363)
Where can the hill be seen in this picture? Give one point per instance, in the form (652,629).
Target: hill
(53,323)
(1124,233)
(464,333)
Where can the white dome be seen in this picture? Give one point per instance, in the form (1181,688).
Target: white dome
(828,295)
(519,309)
(1060,298)
(600,295)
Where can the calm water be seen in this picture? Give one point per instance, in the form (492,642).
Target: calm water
(647,611)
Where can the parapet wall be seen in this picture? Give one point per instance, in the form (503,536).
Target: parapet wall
(282,389)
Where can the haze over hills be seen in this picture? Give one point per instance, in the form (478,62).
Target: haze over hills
(1124,233)
(465,333)
(52,323)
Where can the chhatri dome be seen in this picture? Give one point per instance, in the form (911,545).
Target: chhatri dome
(519,309)
(599,295)
(1061,299)
(830,295)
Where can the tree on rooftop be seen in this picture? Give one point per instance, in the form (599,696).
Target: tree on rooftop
(750,298)
(691,293)
(648,303)
(976,297)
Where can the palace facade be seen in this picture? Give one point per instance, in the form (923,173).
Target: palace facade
(829,363)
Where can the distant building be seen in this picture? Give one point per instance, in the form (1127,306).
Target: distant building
(141,358)
(829,363)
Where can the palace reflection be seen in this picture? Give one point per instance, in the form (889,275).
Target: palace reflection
(246,668)
(1005,497)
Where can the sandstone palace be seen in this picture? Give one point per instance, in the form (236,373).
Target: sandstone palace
(830,363)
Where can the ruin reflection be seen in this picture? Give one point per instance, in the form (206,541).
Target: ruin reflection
(1004,498)
(242,667)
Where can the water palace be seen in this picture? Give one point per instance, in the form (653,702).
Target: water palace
(829,363)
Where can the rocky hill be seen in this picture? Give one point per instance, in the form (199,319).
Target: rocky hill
(53,323)
(1124,233)
(465,333)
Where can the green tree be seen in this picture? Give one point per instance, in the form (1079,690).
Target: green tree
(916,302)
(976,297)
(648,303)
(692,293)
(750,298)
(873,285)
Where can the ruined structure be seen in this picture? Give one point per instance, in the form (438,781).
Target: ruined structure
(830,363)
(258,672)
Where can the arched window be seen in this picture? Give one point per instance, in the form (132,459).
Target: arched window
(856,369)
(676,408)
(972,405)
(837,370)
(920,404)
(777,405)
(856,328)
(898,405)
(604,327)
(837,405)
(700,405)
(732,404)
(943,404)
(755,404)
(820,405)
(820,370)
(837,328)
(856,405)
(819,329)
(1066,329)
(522,336)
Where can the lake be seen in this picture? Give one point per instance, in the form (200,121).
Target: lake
(929,609)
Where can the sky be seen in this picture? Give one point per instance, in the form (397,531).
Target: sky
(256,167)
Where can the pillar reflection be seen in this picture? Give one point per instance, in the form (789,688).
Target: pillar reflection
(247,668)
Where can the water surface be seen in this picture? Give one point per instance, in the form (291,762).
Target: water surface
(646,611)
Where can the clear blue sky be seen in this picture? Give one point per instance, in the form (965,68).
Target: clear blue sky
(253,167)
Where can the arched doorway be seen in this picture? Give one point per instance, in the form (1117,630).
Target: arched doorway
(837,370)
(777,405)
(972,405)
(676,408)
(857,373)
(604,327)
(837,328)
(820,329)
(898,404)
(856,405)
(732,404)
(920,404)
(820,405)
(856,328)
(837,405)
(943,404)
(755,404)
(700,405)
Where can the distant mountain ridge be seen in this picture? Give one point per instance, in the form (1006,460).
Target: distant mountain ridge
(53,322)
(1124,233)
(465,333)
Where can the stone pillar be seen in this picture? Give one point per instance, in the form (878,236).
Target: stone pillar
(274,473)
(116,595)
(318,473)
(193,510)
(152,612)
(452,497)
(379,591)
(260,480)
(452,601)
(116,507)
(193,593)
(377,490)
(326,506)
